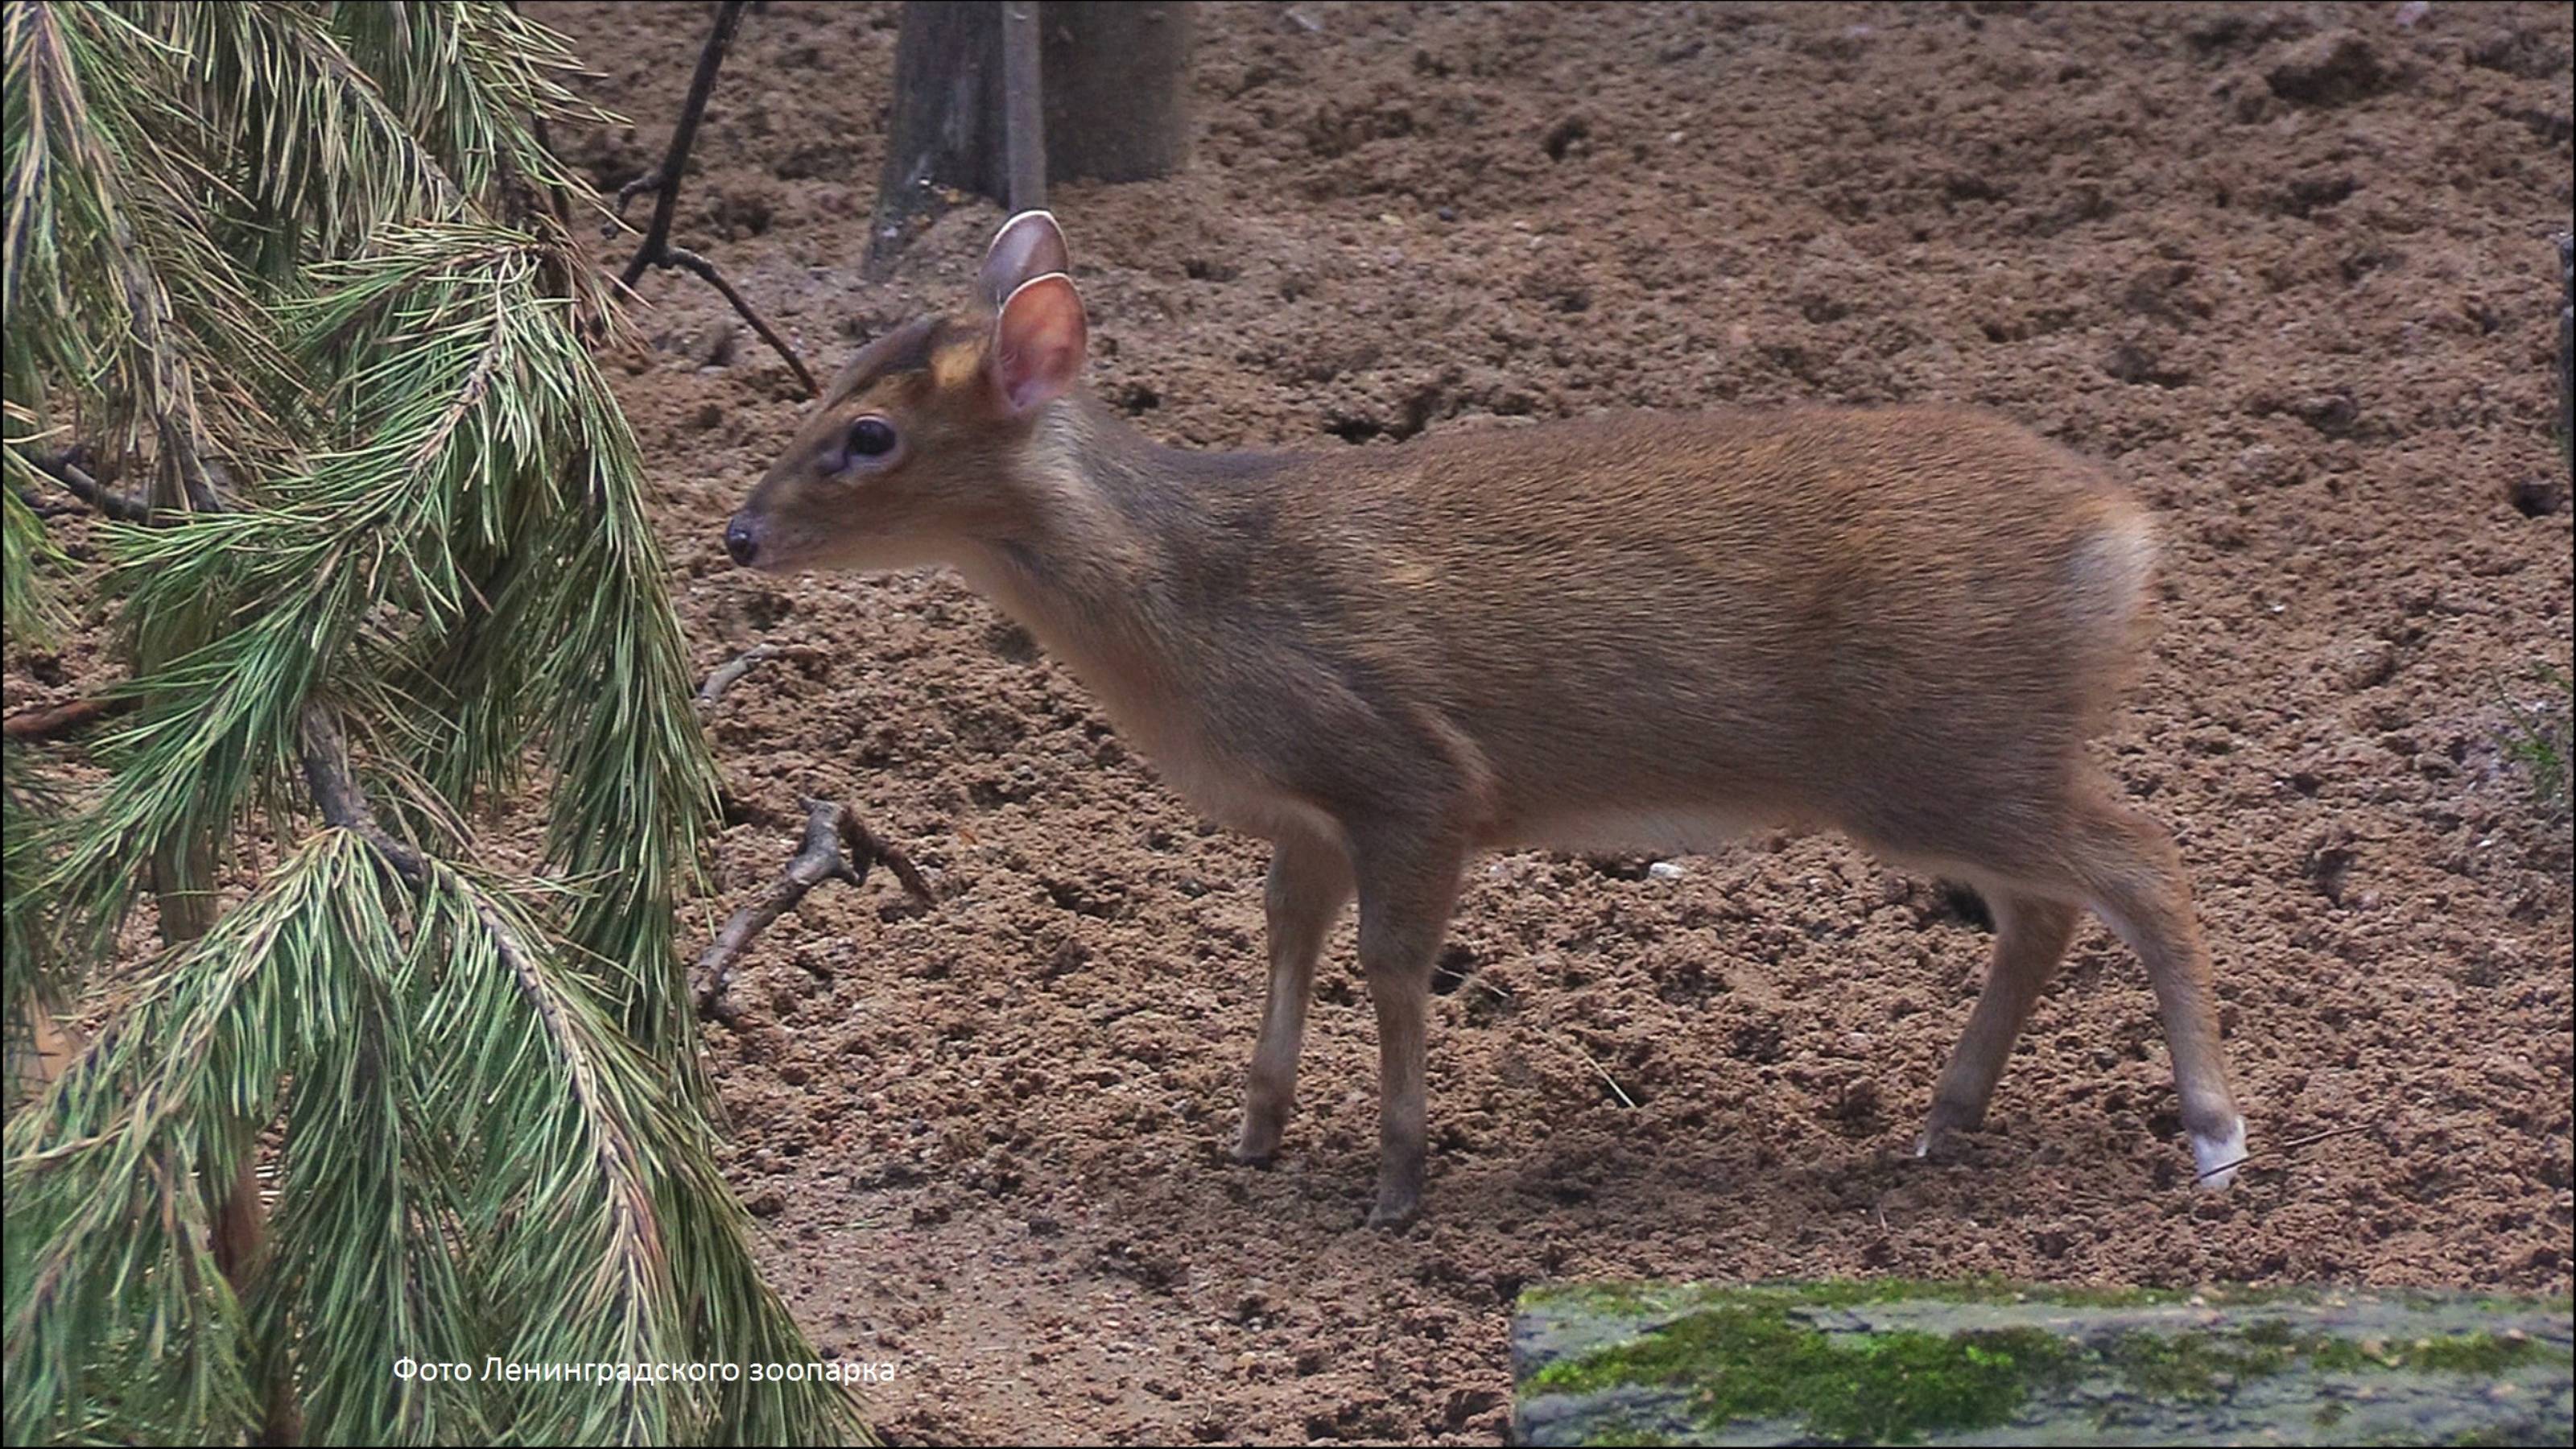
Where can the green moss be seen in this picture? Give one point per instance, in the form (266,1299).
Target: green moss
(2191,1367)
(1648,1300)
(1747,1362)
(1739,1354)
(1626,1431)
(1982,1289)
(2471,1353)
(2496,1436)
(2270,1333)
(2563,1305)
(2204,1366)
(1616,1300)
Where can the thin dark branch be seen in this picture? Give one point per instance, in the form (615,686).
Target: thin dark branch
(66,468)
(666,182)
(48,721)
(2293,1145)
(644,185)
(683,257)
(663,185)
(829,831)
(170,379)
(341,799)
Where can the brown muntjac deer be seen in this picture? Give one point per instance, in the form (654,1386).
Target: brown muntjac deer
(1644,630)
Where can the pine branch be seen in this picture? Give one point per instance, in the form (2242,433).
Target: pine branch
(32,976)
(27,555)
(631,1234)
(46,58)
(266,237)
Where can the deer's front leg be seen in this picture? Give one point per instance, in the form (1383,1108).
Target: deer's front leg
(1310,879)
(1406,890)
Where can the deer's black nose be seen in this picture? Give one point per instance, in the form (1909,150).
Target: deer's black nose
(739,542)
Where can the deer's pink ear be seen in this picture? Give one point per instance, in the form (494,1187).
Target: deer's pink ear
(1028,245)
(1038,342)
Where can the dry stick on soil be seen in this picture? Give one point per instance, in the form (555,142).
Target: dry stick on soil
(730,673)
(829,829)
(1604,1073)
(1566,1040)
(66,468)
(2292,1145)
(657,250)
(47,721)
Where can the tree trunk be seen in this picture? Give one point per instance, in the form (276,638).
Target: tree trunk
(1104,99)
(1117,90)
(946,127)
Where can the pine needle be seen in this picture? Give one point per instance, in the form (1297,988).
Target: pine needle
(292,272)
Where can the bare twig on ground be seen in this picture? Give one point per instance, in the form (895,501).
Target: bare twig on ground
(730,673)
(1603,1072)
(2293,1145)
(1559,1037)
(830,830)
(664,186)
(69,468)
(47,721)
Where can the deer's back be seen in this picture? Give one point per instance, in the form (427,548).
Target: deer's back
(1777,613)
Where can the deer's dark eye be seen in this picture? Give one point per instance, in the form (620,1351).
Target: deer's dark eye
(870,438)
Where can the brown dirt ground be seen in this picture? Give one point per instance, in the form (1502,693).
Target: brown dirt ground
(986,1140)
(2286,269)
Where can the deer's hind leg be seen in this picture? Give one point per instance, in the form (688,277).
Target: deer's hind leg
(2133,879)
(2035,862)
(2031,934)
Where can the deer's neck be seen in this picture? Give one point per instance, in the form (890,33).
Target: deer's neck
(1114,530)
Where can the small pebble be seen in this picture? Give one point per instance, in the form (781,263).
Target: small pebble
(1664,870)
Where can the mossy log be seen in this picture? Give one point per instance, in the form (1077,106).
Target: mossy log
(1899,1362)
